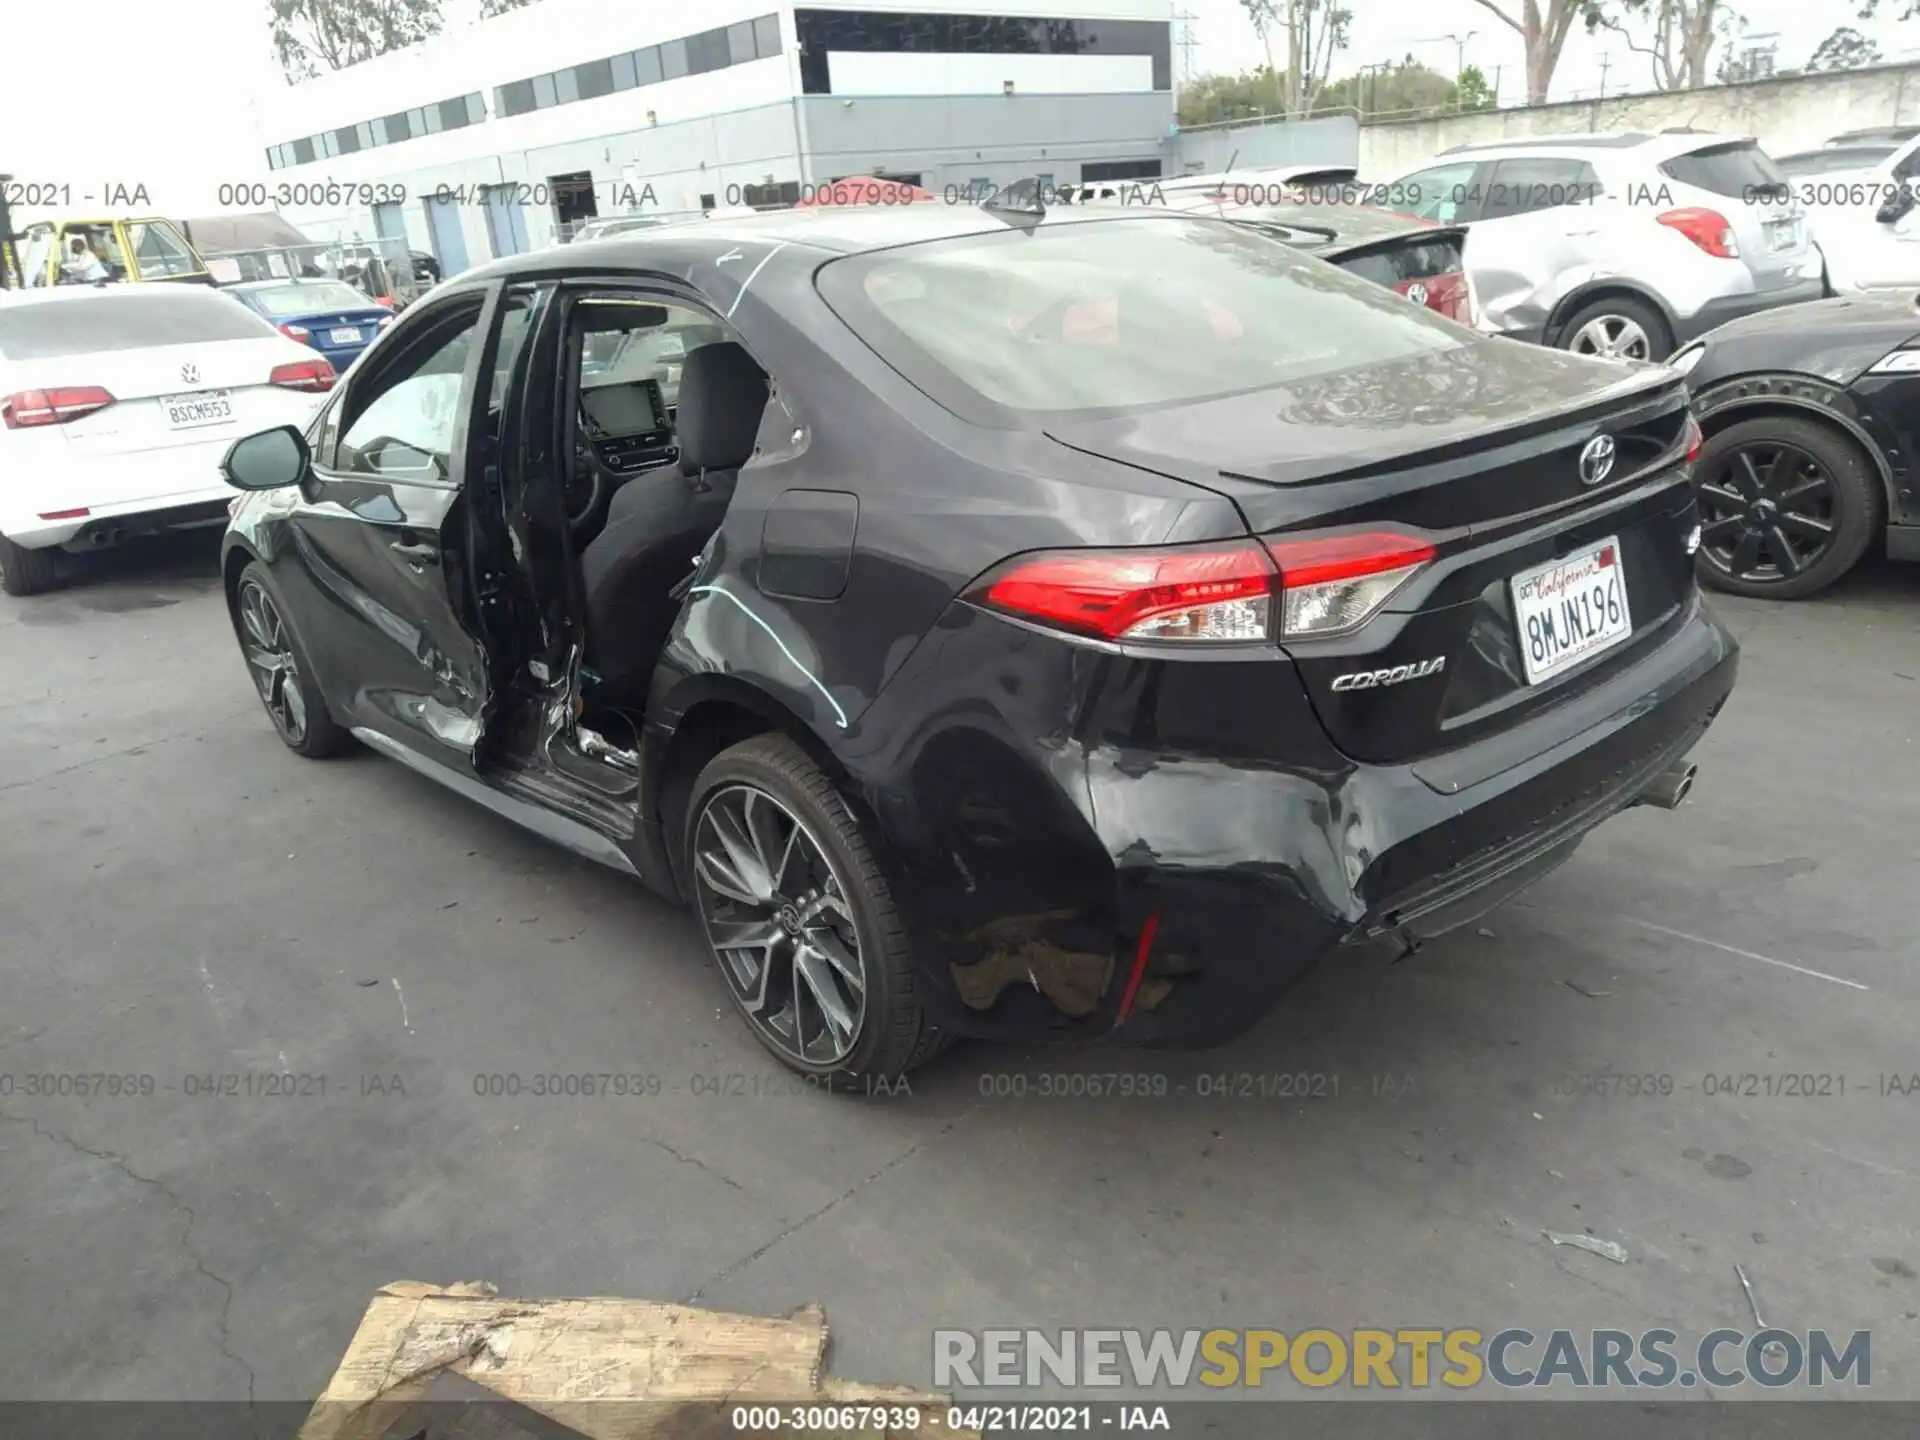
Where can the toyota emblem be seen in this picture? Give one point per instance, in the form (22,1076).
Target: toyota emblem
(1417,294)
(1596,460)
(190,373)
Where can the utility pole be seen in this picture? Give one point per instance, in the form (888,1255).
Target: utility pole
(1606,62)
(1186,42)
(1460,51)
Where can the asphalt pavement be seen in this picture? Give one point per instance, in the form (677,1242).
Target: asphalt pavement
(183,901)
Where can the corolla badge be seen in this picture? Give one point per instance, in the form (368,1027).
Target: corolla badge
(1417,294)
(1596,459)
(190,373)
(1393,675)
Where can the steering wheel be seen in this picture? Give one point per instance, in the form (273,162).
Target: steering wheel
(589,485)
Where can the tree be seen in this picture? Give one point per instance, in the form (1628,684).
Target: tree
(1213,98)
(1683,32)
(1909,9)
(314,35)
(491,8)
(1543,34)
(1315,31)
(1845,49)
(1406,88)
(1472,92)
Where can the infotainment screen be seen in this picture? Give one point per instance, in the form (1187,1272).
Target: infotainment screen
(617,411)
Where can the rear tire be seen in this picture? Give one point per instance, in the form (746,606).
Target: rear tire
(281,674)
(27,572)
(1634,328)
(776,913)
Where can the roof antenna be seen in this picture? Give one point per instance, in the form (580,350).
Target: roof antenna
(1020,201)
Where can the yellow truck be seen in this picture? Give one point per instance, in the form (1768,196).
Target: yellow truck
(81,251)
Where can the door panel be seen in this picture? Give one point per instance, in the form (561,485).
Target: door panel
(379,534)
(449,245)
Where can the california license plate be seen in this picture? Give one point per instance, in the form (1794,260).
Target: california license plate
(1571,610)
(209,407)
(345,335)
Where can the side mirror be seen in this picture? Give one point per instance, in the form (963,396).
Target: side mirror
(270,460)
(1896,205)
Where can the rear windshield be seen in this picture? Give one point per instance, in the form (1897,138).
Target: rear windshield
(124,319)
(1740,170)
(281,301)
(1079,320)
(1397,263)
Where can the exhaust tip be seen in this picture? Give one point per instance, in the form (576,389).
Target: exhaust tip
(1669,787)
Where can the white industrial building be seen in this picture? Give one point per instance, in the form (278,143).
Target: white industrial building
(570,108)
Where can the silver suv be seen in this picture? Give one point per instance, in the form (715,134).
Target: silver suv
(1624,245)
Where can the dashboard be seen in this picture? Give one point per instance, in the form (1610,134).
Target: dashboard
(628,425)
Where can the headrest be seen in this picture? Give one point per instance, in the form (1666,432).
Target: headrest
(722,395)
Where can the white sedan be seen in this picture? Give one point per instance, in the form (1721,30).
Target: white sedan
(1860,202)
(117,404)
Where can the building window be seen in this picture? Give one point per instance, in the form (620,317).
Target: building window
(706,202)
(766,36)
(594,79)
(397,128)
(476,108)
(706,51)
(417,122)
(673,59)
(573,197)
(514,99)
(543,92)
(740,43)
(452,113)
(303,151)
(647,68)
(819,31)
(346,140)
(1120,170)
(273,157)
(622,72)
(431,114)
(363,132)
(566,86)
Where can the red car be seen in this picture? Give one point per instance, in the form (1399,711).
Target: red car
(1423,261)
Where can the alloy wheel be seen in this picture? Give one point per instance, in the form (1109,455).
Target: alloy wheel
(269,651)
(775,911)
(1612,337)
(1767,513)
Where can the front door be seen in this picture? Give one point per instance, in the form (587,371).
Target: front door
(380,533)
(506,221)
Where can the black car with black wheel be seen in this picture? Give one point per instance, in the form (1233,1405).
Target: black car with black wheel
(1811,415)
(1000,624)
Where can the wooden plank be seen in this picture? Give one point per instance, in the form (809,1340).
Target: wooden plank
(608,1368)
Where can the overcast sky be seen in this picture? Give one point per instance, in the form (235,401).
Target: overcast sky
(120,91)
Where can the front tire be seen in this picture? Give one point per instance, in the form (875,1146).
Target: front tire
(27,572)
(1620,327)
(800,920)
(281,674)
(1787,507)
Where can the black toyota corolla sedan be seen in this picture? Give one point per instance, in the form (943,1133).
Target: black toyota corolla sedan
(1007,625)
(1812,415)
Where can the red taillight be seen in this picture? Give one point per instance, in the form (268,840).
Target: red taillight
(295,332)
(52,407)
(1217,593)
(1706,228)
(1324,585)
(1693,439)
(1331,583)
(316,374)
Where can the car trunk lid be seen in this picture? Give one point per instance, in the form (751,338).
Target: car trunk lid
(1478,449)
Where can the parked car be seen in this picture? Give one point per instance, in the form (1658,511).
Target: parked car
(116,404)
(599,229)
(1859,201)
(1811,417)
(146,248)
(1069,627)
(1415,258)
(329,315)
(1624,245)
